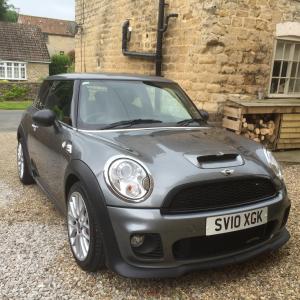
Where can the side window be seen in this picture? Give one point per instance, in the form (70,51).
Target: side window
(42,96)
(60,100)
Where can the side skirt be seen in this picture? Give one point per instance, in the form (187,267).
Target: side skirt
(51,197)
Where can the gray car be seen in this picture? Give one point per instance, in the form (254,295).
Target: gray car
(148,188)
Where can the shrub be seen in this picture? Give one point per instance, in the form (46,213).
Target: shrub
(59,64)
(16,92)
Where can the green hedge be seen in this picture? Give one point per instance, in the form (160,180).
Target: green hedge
(16,92)
(59,64)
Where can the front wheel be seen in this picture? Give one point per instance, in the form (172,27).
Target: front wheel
(84,231)
(23,165)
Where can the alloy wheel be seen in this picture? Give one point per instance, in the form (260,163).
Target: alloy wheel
(78,226)
(20,160)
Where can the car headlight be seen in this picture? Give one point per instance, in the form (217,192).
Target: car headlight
(128,179)
(273,164)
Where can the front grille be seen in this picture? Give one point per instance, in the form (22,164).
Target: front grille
(211,246)
(219,195)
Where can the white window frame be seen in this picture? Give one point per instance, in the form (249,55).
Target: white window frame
(21,65)
(294,41)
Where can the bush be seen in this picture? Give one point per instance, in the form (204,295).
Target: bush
(16,92)
(59,64)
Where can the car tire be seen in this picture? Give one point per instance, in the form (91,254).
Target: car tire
(84,230)
(23,164)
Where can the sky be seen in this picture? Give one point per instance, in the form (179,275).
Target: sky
(58,9)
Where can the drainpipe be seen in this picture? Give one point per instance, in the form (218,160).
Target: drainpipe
(160,36)
(125,40)
(162,27)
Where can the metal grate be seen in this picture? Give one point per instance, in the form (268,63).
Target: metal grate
(219,194)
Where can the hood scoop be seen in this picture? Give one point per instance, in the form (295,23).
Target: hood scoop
(217,160)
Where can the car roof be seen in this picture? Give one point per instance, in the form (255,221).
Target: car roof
(108,76)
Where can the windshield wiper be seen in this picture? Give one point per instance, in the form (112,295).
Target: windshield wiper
(190,121)
(131,123)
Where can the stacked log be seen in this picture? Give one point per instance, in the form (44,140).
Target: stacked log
(261,130)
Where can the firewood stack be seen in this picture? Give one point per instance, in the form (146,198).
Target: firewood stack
(258,129)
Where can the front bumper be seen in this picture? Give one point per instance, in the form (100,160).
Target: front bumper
(172,228)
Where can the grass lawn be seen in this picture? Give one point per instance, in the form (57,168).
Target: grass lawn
(15,105)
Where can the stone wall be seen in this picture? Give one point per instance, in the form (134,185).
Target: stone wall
(31,90)
(57,43)
(216,49)
(37,72)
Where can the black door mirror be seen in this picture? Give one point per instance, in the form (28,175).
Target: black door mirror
(204,114)
(45,118)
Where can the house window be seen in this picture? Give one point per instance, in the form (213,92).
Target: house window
(286,70)
(13,70)
(2,70)
(9,71)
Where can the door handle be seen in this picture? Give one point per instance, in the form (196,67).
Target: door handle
(35,127)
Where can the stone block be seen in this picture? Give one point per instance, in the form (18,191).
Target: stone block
(216,49)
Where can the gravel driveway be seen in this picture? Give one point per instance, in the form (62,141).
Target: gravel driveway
(35,260)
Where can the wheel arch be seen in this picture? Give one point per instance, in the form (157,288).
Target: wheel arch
(70,181)
(79,171)
(76,171)
(20,132)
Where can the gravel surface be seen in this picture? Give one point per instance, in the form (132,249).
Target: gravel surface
(36,262)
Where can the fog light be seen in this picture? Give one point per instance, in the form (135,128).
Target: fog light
(137,240)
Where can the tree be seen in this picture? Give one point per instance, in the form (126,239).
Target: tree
(8,12)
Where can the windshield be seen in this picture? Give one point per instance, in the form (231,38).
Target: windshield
(104,103)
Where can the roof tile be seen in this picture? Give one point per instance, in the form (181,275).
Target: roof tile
(50,26)
(22,43)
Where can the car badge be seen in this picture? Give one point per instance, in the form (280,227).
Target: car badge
(227,172)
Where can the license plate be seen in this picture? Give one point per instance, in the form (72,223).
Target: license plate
(236,222)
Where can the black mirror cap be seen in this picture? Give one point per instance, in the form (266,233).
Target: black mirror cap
(204,114)
(45,118)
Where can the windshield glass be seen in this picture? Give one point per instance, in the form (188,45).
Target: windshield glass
(104,102)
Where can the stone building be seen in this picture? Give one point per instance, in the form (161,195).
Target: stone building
(59,34)
(23,53)
(216,49)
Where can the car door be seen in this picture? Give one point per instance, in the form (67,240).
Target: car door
(54,143)
(33,143)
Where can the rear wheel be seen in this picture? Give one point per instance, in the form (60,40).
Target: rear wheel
(23,164)
(84,231)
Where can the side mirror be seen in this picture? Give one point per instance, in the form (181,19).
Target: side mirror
(45,118)
(204,114)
